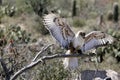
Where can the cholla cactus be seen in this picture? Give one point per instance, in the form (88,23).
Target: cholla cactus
(101,20)
(115,12)
(110,16)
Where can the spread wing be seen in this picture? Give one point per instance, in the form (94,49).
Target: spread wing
(59,29)
(96,39)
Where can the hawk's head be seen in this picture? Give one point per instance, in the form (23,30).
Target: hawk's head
(79,40)
(81,34)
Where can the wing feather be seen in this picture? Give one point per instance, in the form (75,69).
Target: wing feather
(96,39)
(59,29)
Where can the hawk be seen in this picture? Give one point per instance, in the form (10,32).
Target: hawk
(74,43)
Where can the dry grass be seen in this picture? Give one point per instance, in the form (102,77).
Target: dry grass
(30,23)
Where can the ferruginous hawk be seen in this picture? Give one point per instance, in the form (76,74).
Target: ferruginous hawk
(74,43)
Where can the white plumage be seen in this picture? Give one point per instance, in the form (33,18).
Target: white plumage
(70,63)
(60,30)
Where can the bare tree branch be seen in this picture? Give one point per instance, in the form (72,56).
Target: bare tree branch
(32,64)
(43,49)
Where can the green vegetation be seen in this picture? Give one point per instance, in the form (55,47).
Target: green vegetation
(15,33)
(21,22)
(114,49)
(39,6)
(79,22)
(53,73)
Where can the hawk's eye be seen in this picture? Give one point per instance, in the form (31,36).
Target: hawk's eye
(82,33)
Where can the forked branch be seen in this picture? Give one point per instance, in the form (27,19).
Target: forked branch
(40,60)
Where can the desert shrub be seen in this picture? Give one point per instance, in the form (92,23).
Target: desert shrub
(114,49)
(9,10)
(1,12)
(79,22)
(92,15)
(39,6)
(40,27)
(110,16)
(52,70)
(15,33)
(13,55)
(83,4)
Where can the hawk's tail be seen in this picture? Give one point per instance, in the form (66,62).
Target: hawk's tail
(70,63)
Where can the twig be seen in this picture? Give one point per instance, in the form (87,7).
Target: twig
(43,49)
(7,75)
(32,64)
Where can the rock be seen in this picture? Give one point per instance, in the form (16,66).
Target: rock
(93,75)
(98,75)
(114,75)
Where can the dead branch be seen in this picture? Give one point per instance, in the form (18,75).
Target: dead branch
(32,64)
(43,49)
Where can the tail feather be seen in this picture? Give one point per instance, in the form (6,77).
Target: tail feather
(70,63)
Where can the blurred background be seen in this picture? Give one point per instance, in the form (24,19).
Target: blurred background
(22,35)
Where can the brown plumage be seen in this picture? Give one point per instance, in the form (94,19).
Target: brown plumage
(74,43)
